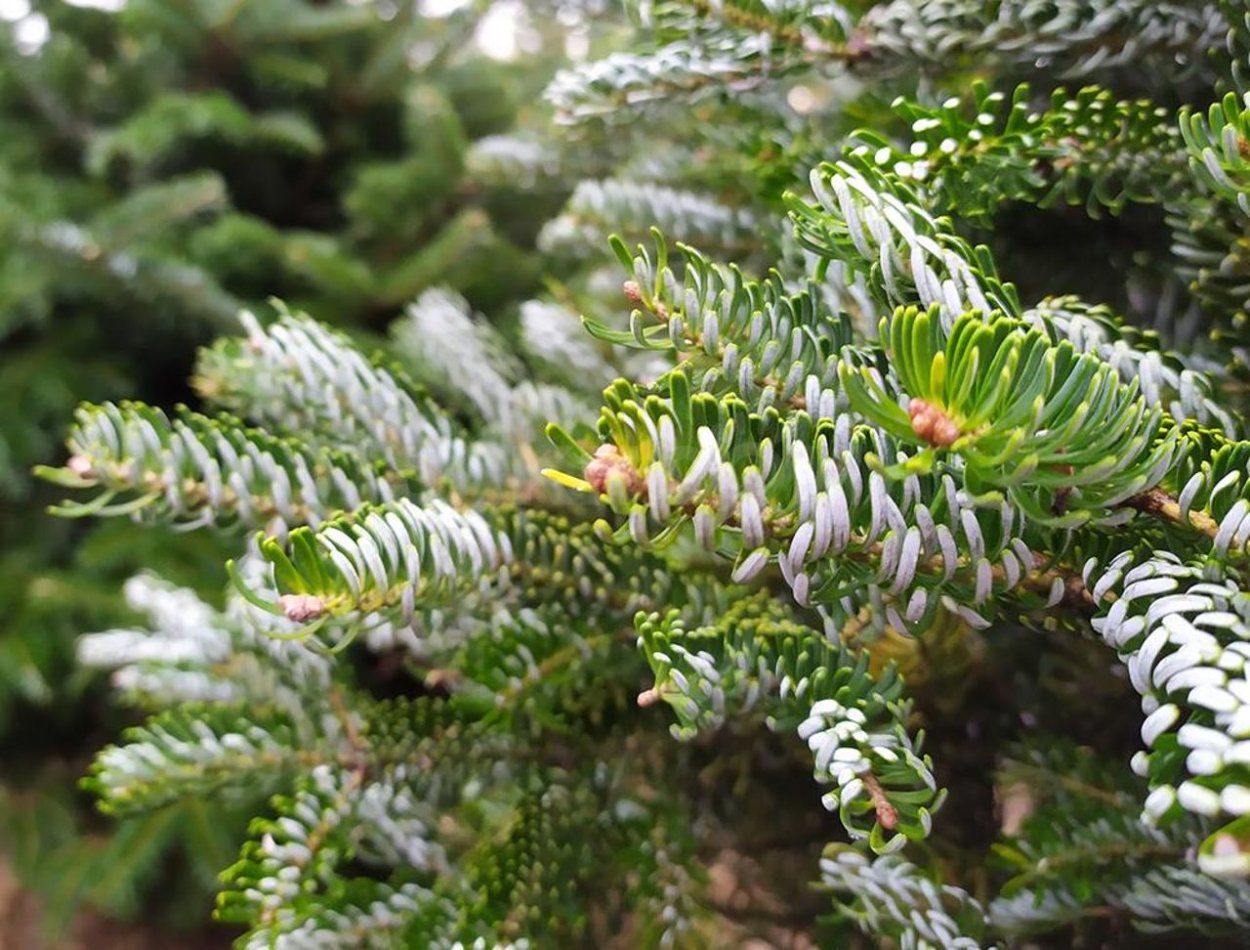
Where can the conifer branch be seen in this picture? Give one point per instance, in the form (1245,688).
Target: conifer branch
(195,471)
(300,377)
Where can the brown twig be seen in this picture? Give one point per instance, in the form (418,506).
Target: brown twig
(887,814)
(1161,505)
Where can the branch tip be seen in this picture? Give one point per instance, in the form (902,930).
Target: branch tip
(931,423)
(301,608)
(609,463)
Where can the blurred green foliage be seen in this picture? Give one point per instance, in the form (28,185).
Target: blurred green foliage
(161,167)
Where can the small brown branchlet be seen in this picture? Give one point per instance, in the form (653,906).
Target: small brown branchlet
(887,814)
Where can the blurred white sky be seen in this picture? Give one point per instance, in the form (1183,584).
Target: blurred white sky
(497,34)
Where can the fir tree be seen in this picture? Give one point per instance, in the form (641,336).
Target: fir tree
(510,628)
(161,167)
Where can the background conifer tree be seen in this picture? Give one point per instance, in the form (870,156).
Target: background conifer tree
(162,167)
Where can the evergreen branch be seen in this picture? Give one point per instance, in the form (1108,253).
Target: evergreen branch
(196,471)
(1102,845)
(148,136)
(1219,150)
(1210,491)
(893,899)
(287,22)
(553,338)
(1179,629)
(197,752)
(160,284)
(286,884)
(1237,43)
(757,339)
(526,664)
(329,797)
(1209,246)
(61,117)
(396,823)
(1179,896)
(1209,228)
(386,559)
(668,894)
(1081,850)
(1166,379)
(438,339)
(155,208)
(298,376)
(1024,417)
(367,915)
(387,562)
(1067,774)
(865,217)
(816,29)
(684,71)
(811,495)
(1085,148)
(876,225)
(1027,912)
(755,655)
(535,862)
(190,652)
(636,207)
(738,47)
(1073,37)
(514,160)
(185,630)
